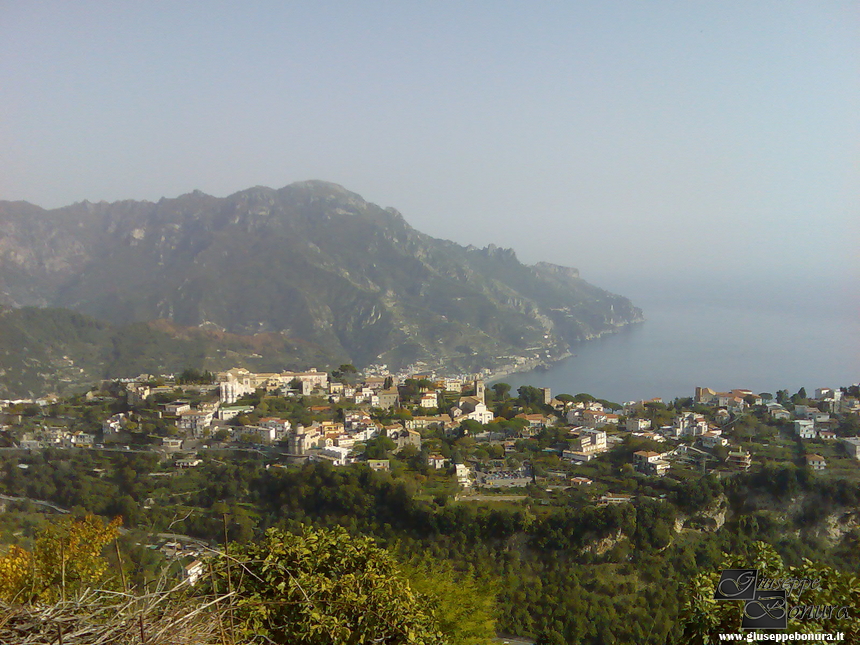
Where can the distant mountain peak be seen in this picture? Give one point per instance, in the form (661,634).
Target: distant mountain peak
(313,261)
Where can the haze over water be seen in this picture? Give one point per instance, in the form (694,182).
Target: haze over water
(745,339)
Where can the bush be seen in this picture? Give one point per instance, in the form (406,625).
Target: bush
(324,587)
(65,560)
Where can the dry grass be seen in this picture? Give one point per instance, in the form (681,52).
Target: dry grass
(162,617)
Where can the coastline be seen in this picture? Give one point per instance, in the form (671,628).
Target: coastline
(532,364)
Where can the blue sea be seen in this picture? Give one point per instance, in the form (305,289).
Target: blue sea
(809,339)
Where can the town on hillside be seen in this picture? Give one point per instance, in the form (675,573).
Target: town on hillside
(483,439)
(152,439)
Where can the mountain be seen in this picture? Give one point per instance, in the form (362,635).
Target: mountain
(311,262)
(57,350)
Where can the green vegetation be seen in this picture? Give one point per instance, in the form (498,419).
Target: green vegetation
(325,587)
(572,572)
(592,553)
(59,351)
(319,587)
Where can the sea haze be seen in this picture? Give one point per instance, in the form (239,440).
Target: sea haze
(741,338)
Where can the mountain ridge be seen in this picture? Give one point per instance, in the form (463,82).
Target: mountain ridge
(312,261)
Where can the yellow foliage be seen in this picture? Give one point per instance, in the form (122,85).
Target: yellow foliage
(66,557)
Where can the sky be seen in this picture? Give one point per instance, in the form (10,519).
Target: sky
(700,144)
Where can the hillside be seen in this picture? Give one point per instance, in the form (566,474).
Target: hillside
(311,261)
(58,351)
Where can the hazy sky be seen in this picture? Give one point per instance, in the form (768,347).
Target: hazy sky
(633,140)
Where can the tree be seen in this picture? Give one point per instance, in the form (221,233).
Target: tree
(380,447)
(470,427)
(194,376)
(464,605)
(325,586)
(65,559)
(529,395)
(409,452)
(501,390)
(344,372)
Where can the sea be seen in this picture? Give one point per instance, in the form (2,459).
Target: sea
(759,340)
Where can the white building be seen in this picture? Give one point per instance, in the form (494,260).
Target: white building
(637,425)
(195,421)
(805,429)
(712,439)
(464,475)
(429,400)
(690,424)
(114,425)
(338,454)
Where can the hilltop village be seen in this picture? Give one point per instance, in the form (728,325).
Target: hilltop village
(454,426)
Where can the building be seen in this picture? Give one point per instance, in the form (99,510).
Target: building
(615,498)
(740,459)
(453,384)
(114,425)
(689,424)
(228,413)
(589,441)
(650,463)
(379,464)
(712,439)
(276,428)
(388,398)
(779,413)
(195,421)
(464,475)
(592,418)
(192,572)
(852,445)
(536,421)
(634,424)
(428,400)
(471,407)
(337,455)
(816,462)
(82,439)
(436,461)
(805,428)
(403,437)
(177,407)
(422,423)
(577,456)
(137,393)
(480,391)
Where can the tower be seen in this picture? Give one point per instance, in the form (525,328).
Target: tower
(480,392)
